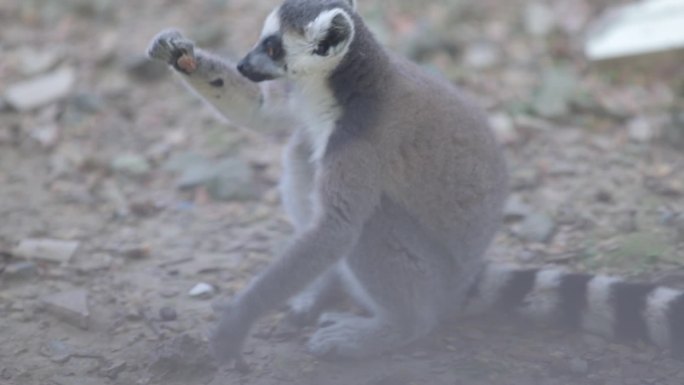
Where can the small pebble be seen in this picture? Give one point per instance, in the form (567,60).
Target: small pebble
(20,270)
(579,366)
(537,227)
(168,314)
(169,293)
(202,290)
(114,369)
(604,196)
(137,252)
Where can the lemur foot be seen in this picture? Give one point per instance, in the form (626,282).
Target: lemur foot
(347,336)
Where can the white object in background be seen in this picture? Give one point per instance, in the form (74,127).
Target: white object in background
(641,28)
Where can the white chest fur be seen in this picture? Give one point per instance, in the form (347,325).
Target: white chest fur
(316,104)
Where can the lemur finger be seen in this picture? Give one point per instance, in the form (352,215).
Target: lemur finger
(185,46)
(163,46)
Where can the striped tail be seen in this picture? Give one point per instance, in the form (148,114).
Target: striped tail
(607,306)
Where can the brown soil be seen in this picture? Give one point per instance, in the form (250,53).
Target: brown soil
(615,198)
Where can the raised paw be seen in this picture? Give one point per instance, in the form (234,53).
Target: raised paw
(169,45)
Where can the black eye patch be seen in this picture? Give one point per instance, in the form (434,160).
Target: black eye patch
(273,46)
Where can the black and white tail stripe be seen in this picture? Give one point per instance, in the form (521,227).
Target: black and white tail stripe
(608,306)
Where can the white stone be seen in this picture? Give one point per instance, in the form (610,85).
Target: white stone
(71,306)
(51,250)
(635,29)
(41,91)
(202,290)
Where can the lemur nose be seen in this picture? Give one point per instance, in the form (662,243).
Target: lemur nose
(242,66)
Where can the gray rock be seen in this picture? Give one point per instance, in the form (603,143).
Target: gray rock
(167,314)
(524,179)
(180,161)
(51,250)
(227,179)
(87,102)
(578,366)
(537,227)
(182,359)
(168,292)
(71,306)
(47,135)
(196,174)
(234,181)
(131,164)
(504,128)
(642,129)
(516,208)
(20,270)
(8,374)
(113,370)
(41,91)
(556,90)
(194,169)
(75,380)
(57,351)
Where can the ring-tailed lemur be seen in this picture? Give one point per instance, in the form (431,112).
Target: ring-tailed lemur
(395,185)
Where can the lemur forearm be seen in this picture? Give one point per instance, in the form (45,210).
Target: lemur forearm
(309,256)
(259,107)
(346,198)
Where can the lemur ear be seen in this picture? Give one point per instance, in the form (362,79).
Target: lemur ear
(352,4)
(331,32)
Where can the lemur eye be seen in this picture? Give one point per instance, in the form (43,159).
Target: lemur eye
(273,47)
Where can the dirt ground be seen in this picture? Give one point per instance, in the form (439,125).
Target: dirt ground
(118,165)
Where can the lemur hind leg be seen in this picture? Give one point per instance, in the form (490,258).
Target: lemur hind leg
(401,277)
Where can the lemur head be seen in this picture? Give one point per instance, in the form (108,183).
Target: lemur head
(301,37)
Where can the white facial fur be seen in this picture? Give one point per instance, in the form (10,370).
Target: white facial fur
(272,24)
(313,96)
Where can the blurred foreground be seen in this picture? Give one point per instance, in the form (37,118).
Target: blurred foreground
(126,204)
